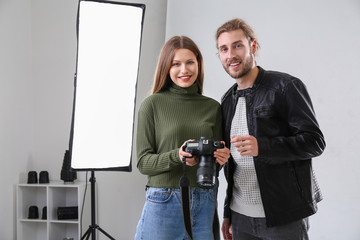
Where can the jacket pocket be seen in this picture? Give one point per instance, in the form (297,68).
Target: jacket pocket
(264,111)
(267,123)
(296,181)
(303,178)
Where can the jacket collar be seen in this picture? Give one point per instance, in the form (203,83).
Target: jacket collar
(235,92)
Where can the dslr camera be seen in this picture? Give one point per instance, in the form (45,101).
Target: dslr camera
(204,150)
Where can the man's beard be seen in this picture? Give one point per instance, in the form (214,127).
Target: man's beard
(248,65)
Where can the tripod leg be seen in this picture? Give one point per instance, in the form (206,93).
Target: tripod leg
(86,235)
(105,233)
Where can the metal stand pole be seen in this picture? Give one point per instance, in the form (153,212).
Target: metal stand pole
(91,231)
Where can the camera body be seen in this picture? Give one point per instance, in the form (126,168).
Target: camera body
(204,150)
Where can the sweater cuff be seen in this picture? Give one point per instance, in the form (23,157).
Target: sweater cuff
(174,156)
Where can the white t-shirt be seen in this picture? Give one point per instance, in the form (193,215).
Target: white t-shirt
(246,197)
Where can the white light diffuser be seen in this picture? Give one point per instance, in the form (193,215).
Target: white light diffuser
(109,40)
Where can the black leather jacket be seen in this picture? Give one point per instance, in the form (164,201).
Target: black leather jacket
(281,117)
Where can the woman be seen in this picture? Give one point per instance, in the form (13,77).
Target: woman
(175,113)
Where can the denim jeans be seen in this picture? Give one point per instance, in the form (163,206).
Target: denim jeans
(162,217)
(248,228)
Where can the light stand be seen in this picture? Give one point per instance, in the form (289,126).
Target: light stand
(108,40)
(93,227)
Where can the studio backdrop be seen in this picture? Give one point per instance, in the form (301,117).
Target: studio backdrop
(109,43)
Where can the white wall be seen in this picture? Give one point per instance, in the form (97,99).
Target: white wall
(37,66)
(16,108)
(319,42)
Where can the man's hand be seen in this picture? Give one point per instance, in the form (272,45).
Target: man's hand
(247,145)
(226,229)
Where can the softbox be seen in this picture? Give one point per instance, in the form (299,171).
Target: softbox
(108,51)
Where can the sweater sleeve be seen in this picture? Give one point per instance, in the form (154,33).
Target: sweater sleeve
(218,135)
(149,162)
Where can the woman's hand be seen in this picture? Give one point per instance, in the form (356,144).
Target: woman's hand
(222,154)
(190,161)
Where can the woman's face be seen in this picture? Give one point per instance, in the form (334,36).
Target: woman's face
(184,68)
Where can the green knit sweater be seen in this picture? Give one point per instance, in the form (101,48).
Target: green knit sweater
(165,121)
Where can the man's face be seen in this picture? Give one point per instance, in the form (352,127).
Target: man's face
(236,53)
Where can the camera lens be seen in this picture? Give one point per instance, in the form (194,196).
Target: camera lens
(205,180)
(206,172)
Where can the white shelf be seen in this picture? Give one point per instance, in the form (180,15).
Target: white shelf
(52,195)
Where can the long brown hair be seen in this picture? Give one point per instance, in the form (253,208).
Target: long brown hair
(162,78)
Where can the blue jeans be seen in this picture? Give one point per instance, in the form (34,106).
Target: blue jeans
(162,217)
(248,228)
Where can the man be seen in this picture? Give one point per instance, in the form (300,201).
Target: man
(271,130)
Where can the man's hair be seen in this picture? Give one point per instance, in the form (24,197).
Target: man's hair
(162,78)
(236,24)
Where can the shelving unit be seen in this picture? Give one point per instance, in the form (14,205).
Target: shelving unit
(52,195)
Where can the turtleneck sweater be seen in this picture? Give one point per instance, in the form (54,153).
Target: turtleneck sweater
(165,121)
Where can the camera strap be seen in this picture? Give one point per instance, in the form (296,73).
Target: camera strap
(216,223)
(185,201)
